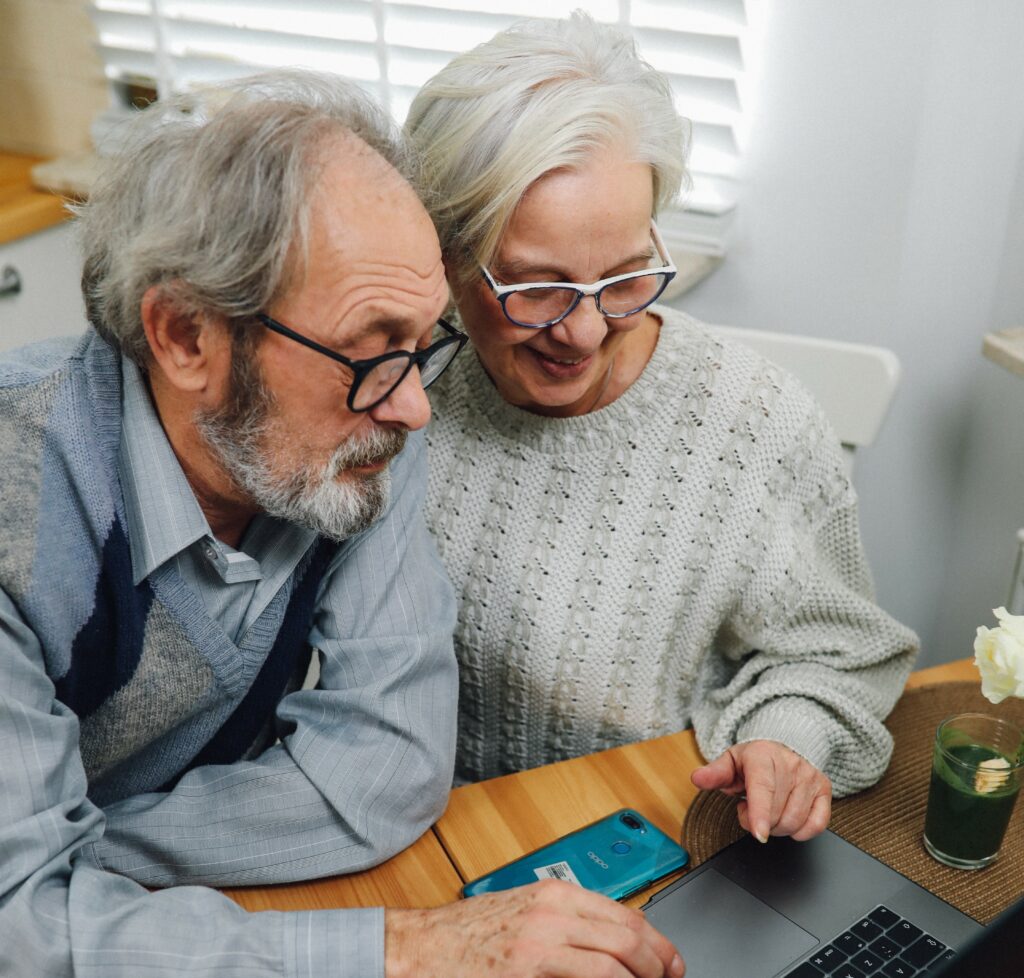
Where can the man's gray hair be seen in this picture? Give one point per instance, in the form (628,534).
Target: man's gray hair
(211,198)
(540,96)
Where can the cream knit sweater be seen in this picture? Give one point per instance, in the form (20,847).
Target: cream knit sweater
(687,555)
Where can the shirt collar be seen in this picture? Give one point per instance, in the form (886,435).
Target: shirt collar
(162,512)
(164,518)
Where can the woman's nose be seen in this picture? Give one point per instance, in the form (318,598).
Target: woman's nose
(584,328)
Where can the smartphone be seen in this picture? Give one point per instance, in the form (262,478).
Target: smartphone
(617,855)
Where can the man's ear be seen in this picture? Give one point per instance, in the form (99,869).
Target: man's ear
(185,347)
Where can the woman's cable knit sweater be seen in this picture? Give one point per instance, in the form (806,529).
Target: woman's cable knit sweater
(689,554)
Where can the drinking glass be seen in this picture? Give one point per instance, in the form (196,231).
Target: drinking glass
(976,775)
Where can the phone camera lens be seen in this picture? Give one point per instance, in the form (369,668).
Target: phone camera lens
(631,822)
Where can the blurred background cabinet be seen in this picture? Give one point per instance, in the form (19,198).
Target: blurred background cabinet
(40,295)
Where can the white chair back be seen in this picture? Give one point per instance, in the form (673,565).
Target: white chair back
(854,383)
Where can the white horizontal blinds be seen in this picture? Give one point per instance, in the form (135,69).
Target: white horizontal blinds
(696,43)
(208,40)
(700,45)
(392,48)
(423,35)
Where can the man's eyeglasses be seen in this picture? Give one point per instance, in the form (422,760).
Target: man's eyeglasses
(539,304)
(376,379)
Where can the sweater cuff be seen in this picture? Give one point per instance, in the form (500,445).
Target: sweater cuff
(340,943)
(797,723)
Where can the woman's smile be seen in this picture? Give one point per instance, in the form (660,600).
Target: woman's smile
(561,368)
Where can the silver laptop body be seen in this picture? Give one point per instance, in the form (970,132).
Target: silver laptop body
(761,911)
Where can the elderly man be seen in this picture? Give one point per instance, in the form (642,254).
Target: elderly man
(210,484)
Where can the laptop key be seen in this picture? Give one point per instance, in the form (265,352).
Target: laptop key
(922,951)
(806,970)
(867,929)
(848,943)
(898,969)
(848,971)
(866,961)
(904,933)
(946,955)
(884,917)
(827,958)
(885,948)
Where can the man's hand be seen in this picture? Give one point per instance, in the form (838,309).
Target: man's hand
(785,795)
(549,929)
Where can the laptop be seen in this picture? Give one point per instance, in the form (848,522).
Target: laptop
(823,907)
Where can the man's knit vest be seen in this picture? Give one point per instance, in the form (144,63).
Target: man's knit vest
(158,687)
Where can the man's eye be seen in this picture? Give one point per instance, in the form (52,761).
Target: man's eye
(346,373)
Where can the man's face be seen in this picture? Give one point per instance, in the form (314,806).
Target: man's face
(373,283)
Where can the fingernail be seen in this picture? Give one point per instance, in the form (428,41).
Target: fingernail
(676,967)
(761,836)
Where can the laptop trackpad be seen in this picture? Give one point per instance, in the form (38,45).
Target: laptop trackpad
(724,932)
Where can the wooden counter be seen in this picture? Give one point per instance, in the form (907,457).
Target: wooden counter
(23,209)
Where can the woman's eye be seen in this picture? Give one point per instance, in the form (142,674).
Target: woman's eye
(538,293)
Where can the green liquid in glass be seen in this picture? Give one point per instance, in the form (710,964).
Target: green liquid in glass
(962,822)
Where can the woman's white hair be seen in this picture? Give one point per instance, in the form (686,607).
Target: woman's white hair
(210,199)
(539,96)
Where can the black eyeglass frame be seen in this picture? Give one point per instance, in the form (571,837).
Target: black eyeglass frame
(361,368)
(668,272)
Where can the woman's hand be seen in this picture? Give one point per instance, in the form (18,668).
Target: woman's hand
(785,795)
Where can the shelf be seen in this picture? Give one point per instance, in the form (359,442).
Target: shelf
(1006,347)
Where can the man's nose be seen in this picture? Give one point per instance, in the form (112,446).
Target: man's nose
(406,405)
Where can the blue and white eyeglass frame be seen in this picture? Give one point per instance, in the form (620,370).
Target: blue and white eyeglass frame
(668,272)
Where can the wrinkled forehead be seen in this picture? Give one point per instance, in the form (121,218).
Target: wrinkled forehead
(364,218)
(364,198)
(372,258)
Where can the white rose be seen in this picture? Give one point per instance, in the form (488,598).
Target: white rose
(999,656)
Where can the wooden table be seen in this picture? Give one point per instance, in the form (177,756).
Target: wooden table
(420,876)
(492,822)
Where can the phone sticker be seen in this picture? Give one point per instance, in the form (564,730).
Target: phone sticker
(557,871)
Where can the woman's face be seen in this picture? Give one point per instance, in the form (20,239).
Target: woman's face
(578,226)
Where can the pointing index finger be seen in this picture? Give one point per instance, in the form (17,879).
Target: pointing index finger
(761,792)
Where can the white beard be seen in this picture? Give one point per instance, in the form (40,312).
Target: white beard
(312,496)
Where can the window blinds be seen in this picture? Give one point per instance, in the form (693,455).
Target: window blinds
(391,48)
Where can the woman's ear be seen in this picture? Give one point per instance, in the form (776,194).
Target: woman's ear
(186,347)
(456,277)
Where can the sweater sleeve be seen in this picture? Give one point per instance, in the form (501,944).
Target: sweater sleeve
(61,915)
(365,761)
(807,657)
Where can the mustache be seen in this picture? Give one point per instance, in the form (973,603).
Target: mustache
(380,446)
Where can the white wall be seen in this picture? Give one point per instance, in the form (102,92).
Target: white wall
(884,203)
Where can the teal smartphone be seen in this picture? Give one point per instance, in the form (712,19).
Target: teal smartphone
(617,855)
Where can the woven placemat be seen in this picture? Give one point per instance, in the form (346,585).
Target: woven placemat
(888,819)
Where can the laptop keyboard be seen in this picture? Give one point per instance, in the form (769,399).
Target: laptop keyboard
(882,944)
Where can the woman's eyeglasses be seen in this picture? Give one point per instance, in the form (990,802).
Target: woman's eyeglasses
(536,305)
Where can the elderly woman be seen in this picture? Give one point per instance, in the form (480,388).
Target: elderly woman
(647,526)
